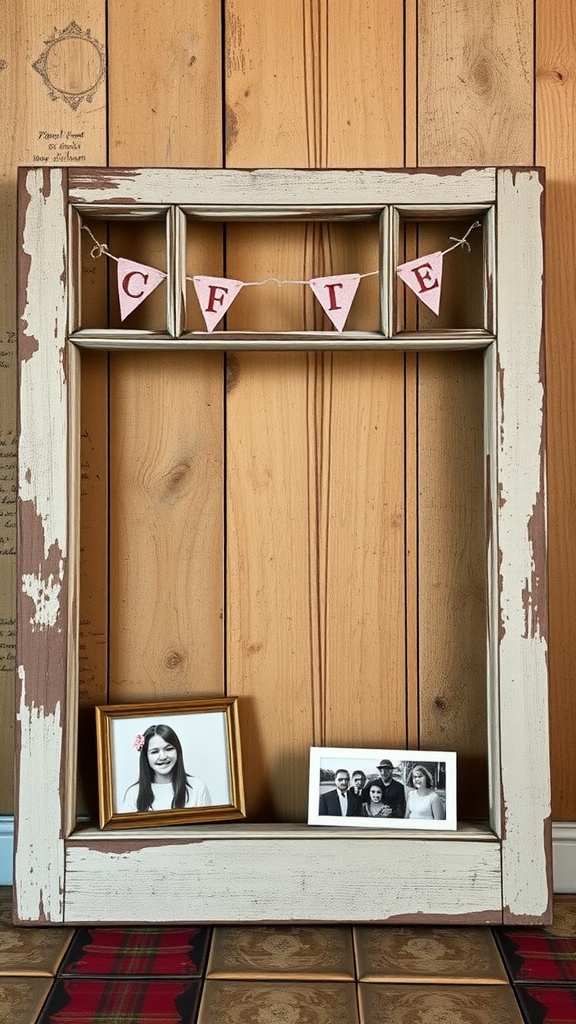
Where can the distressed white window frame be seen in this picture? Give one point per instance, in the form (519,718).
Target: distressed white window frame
(67,872)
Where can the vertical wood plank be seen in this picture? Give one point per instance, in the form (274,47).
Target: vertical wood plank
(365,590)
(301,90)
(475,83)
(556,150)
(475,106)
(53,111)
(165,84)
(452,556)
(314,85)
(165,545)
(166,463)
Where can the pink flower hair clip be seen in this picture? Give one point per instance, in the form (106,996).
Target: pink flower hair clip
(138,742)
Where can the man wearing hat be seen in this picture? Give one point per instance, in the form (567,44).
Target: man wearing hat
(394,797)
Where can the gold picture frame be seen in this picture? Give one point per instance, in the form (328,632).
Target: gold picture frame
(182,755)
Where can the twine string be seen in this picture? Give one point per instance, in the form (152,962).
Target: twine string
(101,249)
(463,242)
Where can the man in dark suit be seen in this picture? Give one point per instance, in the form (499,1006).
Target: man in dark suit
(358,782)
(394,795)
(341,802)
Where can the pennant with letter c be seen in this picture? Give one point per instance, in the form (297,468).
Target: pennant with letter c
(136,282)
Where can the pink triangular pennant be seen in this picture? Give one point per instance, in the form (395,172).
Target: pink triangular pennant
(215,295)
(424,277)
(336,294)
(136,281)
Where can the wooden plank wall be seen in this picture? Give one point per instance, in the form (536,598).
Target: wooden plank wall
(338,614)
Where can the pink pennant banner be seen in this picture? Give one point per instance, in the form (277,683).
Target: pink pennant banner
(215,295)
(336,294)
(136,282)
(424,277)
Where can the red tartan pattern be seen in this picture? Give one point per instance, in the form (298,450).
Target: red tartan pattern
(553,1005)
(136,951)
(117,1002)
(532,955)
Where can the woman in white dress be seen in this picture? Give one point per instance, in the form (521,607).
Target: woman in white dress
(163,782)
(423,801)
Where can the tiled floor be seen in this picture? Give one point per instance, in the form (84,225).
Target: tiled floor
(289,974)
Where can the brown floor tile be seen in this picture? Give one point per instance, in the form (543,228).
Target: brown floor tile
(297,953)
(21,999)
(428,955)
(564,923)
(438,1004)
(29,951)
(269,1002)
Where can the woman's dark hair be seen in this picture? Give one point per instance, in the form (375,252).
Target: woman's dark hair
(366,791)
(178,779)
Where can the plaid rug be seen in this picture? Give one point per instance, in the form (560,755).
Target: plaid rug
(74,1001)
(532,955)
(542,1005)
(175,952)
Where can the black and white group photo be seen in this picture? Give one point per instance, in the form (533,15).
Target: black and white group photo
(382,788)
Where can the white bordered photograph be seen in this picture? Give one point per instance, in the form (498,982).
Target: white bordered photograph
(169,763)
(380,788)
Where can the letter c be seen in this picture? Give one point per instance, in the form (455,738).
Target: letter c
(126,283)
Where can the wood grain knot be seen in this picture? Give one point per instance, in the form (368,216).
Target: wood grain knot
(255,648)
(231,127)
(177,476)
(482,75)
(232,373)
(173,659)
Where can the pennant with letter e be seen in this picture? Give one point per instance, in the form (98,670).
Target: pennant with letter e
(424,277)
(336,294)
(136,282)
(215,295)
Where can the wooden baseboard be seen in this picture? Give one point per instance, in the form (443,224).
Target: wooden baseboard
(564,856)
(6,849)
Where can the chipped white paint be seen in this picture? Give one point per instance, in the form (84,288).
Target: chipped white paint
(289,879)
(43,517)
(42,445)
(523,647)
(39,863)
(46,596)
(283,188)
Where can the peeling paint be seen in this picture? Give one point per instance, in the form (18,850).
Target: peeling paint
(45,594)
(39,863)
(104,884)
(42,444)
(522,542)
(280,186)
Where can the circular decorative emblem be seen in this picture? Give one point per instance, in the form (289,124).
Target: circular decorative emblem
(72,65)
(286,948)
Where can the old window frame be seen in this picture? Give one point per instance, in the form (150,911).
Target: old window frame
(66,872)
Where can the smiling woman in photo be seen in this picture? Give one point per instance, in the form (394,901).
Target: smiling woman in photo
(423,800)
(163,782)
